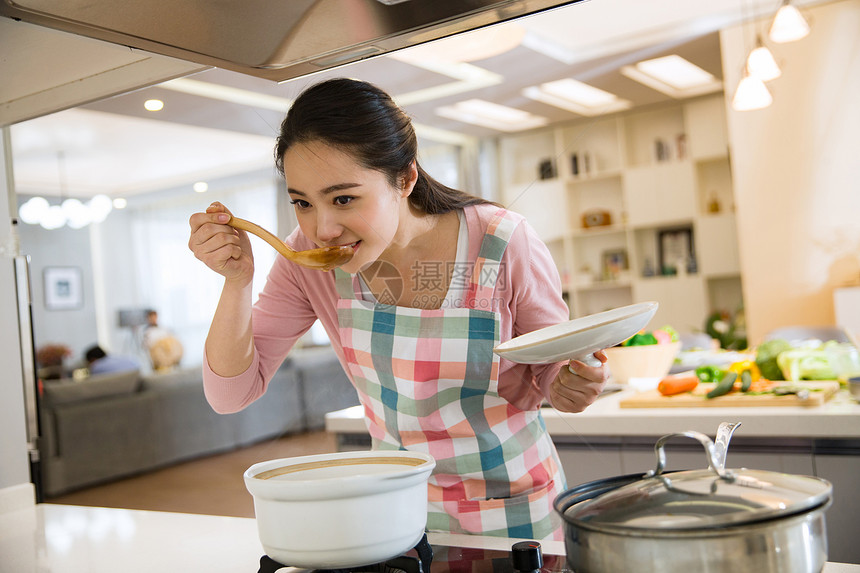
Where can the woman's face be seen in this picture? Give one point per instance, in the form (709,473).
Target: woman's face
(339,202)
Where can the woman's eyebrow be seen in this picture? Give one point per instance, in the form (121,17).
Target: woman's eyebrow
(327,190)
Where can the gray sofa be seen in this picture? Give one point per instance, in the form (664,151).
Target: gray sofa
(117,425)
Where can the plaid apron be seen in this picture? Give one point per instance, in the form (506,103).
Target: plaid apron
(428,381)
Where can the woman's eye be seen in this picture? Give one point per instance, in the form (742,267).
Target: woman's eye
(300,203)
(343,200)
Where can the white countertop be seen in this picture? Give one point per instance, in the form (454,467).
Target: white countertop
(838,418)
(49,538)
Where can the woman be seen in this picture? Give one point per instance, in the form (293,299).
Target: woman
(438,278)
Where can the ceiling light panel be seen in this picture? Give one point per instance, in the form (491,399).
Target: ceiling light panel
(673,76)
(491,115)
(577,97)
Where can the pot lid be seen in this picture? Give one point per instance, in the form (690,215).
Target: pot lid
(701,499)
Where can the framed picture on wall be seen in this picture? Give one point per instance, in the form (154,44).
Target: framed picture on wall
(63,290)
(613,263)
(675,247)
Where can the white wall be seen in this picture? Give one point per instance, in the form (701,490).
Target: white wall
(796,168)
(64,247)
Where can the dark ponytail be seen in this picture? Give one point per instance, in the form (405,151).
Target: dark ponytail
(363,121)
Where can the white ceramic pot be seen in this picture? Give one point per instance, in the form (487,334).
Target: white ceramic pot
(340,510)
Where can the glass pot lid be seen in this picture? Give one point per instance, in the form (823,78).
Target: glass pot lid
(699,499)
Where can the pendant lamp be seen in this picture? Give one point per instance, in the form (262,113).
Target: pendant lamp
(761,63)
(788,25)
(751,94)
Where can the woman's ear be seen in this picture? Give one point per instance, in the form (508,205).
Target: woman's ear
(410,177)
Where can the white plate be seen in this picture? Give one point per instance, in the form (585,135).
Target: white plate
(578,338)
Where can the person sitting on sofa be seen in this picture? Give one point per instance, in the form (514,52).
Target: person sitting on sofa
(165,350)
(99,362)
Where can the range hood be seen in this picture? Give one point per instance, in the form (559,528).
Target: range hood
(272,39)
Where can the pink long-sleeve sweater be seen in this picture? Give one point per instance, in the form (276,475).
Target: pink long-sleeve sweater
(528,290)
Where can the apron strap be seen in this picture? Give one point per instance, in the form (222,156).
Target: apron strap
(487,267)
(343,284)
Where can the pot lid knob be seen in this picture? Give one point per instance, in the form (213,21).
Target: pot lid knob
(526,556)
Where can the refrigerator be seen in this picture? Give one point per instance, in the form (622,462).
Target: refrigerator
(28,366)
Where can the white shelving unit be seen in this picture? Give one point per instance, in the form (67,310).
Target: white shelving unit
(658,176)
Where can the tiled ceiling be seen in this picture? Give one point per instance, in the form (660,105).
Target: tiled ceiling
(598,37)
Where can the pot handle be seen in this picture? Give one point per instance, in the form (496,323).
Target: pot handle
(714,461)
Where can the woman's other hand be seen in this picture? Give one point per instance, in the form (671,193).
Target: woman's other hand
(225,250)
(577,387)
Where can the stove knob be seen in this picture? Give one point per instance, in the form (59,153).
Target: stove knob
(526,556)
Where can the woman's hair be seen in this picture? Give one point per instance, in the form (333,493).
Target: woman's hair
(362,120)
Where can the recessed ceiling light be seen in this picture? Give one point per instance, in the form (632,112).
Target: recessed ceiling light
(120,203)
(492,115)
(673,76)
(153,105)
(201,187)
(577,97)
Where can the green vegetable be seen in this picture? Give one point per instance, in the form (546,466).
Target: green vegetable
(710,373)
(746,380)
(805,364)
(725,385)
(766,358)
(641,339)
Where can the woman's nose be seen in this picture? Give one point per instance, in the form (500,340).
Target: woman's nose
(328,227)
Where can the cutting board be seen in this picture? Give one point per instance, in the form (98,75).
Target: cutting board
(819,393)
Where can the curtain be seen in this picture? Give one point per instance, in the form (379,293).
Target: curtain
(170,280)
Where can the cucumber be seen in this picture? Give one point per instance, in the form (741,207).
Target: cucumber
(725,385)
(746,380)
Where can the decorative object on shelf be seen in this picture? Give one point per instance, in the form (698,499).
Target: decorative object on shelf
(662,151)
(681,146)
(546,169)
(596,218)
(692,265)
(613,264)
(63,288)
(674,245)
(585,276)
(714,205)
(582,163)
(648,269)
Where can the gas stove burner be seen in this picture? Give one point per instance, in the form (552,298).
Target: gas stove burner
(402,564)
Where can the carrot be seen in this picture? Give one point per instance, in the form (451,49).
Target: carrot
(678,383)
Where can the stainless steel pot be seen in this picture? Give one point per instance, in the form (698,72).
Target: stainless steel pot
(711,520)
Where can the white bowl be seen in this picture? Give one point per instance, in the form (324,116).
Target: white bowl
(340,510)
(649,361)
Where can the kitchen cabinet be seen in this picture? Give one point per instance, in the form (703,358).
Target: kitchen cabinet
(606,440)
(636,206)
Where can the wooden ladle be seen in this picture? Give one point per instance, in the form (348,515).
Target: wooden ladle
(323,258)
